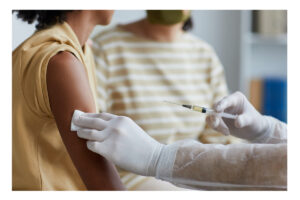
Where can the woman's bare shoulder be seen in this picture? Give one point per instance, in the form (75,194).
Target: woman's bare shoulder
(64,58)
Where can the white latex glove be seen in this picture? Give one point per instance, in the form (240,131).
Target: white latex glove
(119,140)
(249,124)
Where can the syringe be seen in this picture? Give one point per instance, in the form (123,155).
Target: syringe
(205,110)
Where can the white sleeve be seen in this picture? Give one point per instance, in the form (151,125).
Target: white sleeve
(194,165)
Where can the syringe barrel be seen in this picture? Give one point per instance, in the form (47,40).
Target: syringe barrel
(198,109)
(227,115)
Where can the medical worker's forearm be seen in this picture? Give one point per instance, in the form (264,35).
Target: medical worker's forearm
(224,167)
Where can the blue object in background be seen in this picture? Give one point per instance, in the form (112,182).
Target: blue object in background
(275,98)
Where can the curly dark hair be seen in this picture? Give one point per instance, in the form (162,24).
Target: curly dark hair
(44,18)
(188,24)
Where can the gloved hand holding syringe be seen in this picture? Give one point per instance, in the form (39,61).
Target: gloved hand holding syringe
(205,110)
(120,140)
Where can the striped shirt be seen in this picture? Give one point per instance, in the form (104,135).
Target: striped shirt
(136,75)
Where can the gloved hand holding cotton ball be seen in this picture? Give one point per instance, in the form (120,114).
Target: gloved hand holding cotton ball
(118,138)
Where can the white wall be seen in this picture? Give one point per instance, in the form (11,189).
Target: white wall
(219,28)
(122,17)
(222,30)
(20,31)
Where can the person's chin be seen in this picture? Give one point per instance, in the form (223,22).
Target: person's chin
(105,22)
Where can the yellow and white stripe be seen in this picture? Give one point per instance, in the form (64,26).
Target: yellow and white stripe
(135,75)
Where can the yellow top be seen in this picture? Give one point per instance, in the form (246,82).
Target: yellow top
(40,159)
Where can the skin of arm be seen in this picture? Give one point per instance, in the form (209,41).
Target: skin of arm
(68,89)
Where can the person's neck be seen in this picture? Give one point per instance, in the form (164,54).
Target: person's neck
(82,25)
(163,33)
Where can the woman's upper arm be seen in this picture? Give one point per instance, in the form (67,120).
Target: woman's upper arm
(68,89)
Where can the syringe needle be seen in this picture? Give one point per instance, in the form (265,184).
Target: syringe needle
(172,103)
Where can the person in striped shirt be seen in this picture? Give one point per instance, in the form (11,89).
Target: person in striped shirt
(142,64)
